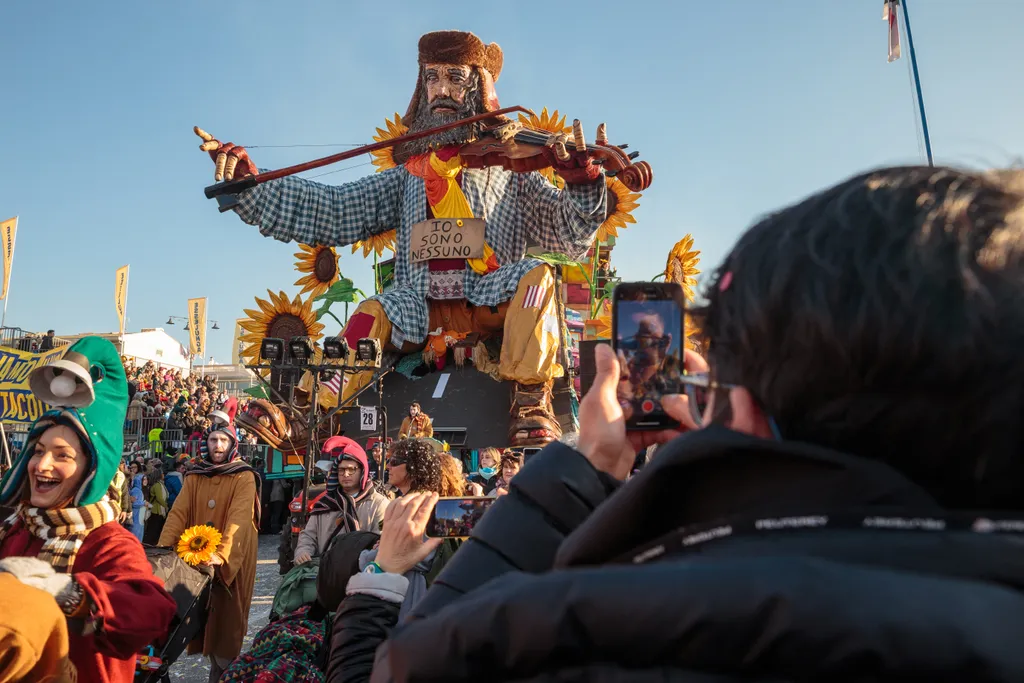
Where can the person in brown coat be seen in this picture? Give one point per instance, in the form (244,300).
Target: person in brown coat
(223,491)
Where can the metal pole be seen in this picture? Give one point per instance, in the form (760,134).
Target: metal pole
(311,445)
(917,84)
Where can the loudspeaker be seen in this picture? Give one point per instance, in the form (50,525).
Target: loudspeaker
(587,367)
(65,382)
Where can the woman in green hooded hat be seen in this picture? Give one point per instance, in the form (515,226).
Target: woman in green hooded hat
(64,536)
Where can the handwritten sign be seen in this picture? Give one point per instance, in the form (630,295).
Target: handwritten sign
(17,403)
(438,238)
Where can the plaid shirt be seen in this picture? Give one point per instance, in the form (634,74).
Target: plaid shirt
(517,207)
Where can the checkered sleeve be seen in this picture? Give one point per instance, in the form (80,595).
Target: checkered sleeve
(562,221)
(300,210)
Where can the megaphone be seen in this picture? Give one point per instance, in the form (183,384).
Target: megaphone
(64,383)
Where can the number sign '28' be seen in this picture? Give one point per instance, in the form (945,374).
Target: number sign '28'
(368,418)
(442,238)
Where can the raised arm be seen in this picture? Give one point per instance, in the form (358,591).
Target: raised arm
(300,210)
(562,221)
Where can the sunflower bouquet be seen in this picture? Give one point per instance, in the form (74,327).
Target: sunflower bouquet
(197,544)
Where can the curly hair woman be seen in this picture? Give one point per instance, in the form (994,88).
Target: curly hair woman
(395,574)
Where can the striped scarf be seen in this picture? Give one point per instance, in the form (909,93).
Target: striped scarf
(63,530)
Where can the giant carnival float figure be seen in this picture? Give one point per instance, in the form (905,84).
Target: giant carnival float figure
(462,169)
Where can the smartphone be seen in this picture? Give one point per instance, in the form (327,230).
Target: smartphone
(456,517)
(648,336)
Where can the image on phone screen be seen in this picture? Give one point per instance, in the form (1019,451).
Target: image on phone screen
(456,517)
(649,343)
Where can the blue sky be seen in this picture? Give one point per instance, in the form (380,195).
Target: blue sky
(740,106)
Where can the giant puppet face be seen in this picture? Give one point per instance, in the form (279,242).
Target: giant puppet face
(448,92)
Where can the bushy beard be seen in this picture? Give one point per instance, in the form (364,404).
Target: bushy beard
(427,118)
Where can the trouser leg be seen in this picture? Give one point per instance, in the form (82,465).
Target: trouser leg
(529,351)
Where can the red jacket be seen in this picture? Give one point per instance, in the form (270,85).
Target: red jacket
(129,601)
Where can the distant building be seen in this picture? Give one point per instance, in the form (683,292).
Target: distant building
(151,344)
(231,379)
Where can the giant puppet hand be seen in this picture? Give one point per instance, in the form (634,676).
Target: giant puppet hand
(232,161)
(571,160)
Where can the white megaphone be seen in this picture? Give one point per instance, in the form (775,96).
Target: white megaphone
(64,383)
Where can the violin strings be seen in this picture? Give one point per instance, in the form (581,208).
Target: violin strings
(338,170)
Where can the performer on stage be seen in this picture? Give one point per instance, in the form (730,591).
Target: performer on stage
(503,288)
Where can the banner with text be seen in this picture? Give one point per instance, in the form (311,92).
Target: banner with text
(237,344)
(17,403)
(197,327)
(8,228)
(121,295)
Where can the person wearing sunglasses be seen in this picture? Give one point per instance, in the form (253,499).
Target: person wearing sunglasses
(843,498)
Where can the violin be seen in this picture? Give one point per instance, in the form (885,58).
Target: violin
(506,144)
(520,149)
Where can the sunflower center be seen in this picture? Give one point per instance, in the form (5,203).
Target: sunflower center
(325,267)
(197,544)
(286,326)
(613,204)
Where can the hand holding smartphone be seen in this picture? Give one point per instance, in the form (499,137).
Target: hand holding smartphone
(456,517)
(649,338)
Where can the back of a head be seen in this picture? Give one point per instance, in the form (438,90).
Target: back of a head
(884,317)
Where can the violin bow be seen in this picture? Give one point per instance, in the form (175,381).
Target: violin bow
(225,191)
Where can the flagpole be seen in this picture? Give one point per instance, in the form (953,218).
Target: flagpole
(14,242)
(917,84)
(127,276)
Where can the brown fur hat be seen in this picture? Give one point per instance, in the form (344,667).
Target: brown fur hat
(459,47)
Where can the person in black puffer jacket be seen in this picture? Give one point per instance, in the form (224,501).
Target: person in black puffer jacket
(865,397)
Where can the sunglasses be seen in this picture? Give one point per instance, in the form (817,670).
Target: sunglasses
(698,388)
(396,461)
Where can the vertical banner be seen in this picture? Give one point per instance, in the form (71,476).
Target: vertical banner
(8,228)
(121,296)
(197,327)
(237,344)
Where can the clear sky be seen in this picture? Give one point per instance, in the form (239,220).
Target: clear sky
(741,106)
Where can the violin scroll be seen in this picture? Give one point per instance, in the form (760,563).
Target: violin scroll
(637,177)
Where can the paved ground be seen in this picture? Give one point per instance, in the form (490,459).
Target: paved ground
(196,669)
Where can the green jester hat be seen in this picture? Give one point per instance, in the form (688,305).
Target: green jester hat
(88,390)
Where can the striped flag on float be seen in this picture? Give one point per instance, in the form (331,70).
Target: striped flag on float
(890,14)
(334,383)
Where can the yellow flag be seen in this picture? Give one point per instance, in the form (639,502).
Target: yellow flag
(237,344)
(121,295)
(197,326)
(8,228)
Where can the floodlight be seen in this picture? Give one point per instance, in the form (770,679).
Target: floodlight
(272,349)
(301,348)
(336,347)
(368,351)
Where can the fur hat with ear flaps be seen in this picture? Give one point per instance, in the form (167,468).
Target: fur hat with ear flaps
(88,390)
(459,47)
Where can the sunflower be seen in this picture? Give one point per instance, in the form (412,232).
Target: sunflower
(321,264)
(384,159)
(681,267)
(197,544)
(377,243)
(548,123)
(621,204)
(279,318)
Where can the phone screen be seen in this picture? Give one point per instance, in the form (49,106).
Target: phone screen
(648,339)
(456,517)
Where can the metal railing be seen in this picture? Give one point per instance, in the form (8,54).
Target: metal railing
(22,340)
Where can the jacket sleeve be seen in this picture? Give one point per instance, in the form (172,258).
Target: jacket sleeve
(563,221)
(551,496)
(177,518)
(307,542)
(362,622)
(129,607)
(300,210)
(240,514)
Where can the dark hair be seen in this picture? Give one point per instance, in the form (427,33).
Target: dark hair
(510,457)
(884,317)
(422,463)
(412,405)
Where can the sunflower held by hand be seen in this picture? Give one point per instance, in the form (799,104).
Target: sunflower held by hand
(198,544)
